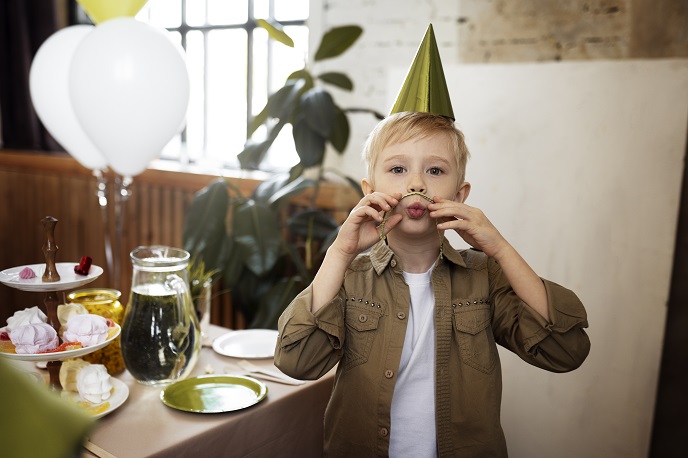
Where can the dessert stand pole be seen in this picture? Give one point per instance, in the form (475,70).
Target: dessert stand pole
(51,275)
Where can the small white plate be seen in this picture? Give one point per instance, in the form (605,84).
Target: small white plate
(119,394)
(248,343)
(62,355)
(68,278)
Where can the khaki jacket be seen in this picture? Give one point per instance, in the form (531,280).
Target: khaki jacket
(363,330)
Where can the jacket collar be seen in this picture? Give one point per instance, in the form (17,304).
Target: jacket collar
(381,255)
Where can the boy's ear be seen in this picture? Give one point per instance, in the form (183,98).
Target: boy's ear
(366,186)
(463,192)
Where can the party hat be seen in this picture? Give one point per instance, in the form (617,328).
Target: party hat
(425,89)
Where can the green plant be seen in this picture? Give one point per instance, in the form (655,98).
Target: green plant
(264,257)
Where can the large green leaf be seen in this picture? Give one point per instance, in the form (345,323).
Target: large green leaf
(312,223)
(319,110)
(337,40)
(253,154)
(273,303)
(304,75)
(256,229)
(204,224)
(297,186)
(339,137)
(269,187)
(280,105)
(337,79)
(275,31)
(310,145)
(234,264)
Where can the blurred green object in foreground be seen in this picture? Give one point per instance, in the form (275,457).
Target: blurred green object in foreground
(37,422)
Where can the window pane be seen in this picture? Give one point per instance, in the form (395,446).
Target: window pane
(261,9)
(289,10)
(260,70)
(195,12)
(227,12)
(163,13)
(195,119)
(226,93)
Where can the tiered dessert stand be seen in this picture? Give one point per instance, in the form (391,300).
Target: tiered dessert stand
(52,278)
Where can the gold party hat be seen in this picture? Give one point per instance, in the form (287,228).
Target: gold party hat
(425,89)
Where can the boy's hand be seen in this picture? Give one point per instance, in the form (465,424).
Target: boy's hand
(360,229)
(470,223)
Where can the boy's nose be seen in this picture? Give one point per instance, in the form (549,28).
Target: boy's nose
(416,185)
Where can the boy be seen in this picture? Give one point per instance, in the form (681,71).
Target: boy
(413,323)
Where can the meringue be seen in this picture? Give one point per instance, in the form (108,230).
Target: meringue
(27,273)
(88,329)
(66,311)
(93,383)
(32,315)
(69,371)
(34,338)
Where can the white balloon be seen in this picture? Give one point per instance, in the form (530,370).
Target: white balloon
(130,90)
(49,87)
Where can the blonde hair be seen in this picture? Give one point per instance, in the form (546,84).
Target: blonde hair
(401,127)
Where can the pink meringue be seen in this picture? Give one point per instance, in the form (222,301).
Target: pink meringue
(88,329)
(34,338)
(27,273)
(32,315)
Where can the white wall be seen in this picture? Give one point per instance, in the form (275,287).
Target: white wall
(579,165)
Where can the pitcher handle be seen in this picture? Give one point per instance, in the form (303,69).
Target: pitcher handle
(179,335)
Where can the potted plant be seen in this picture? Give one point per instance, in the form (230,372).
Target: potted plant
(265,258)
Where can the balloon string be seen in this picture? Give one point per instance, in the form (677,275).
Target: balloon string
(101,193)
(121,197)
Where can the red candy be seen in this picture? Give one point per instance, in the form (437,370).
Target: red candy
(4,335)
(84,266)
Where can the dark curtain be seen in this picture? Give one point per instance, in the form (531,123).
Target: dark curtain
(24,26)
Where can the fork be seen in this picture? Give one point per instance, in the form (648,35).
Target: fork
(252,368)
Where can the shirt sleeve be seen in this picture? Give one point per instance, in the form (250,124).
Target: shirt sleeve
(557,345)
(310,344)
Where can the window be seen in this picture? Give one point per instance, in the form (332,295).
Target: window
(233,67)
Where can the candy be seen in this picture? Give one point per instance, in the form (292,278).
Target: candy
(84,266)
(27,273)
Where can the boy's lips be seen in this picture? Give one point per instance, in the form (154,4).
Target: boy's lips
(415,210)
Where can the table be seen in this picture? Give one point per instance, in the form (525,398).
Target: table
(289,422)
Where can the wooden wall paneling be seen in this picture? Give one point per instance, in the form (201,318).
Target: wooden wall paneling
(35,185)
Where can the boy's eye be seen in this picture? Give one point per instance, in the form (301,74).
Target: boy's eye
(397,169)
(435,171)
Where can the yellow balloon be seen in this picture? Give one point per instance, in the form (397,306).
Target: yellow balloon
(102,10)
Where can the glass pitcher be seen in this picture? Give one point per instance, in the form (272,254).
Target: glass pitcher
(161,337)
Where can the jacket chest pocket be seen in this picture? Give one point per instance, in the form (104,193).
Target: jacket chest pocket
(473,334)
(361,327)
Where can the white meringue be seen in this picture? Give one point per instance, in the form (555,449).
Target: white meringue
(88,329)
(66,311)
(32,315)
(93,383)
(69,371)
(34,338)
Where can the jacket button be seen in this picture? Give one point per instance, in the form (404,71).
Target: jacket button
(401,315)
(384,432)
(389,373)
(362,318)
(393,263)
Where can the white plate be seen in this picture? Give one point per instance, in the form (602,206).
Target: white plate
(119,394)
(68,278)
(61,355)
(249,343)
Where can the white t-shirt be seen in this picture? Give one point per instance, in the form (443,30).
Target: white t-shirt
(413,404)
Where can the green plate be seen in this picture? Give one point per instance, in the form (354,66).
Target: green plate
(214,393)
